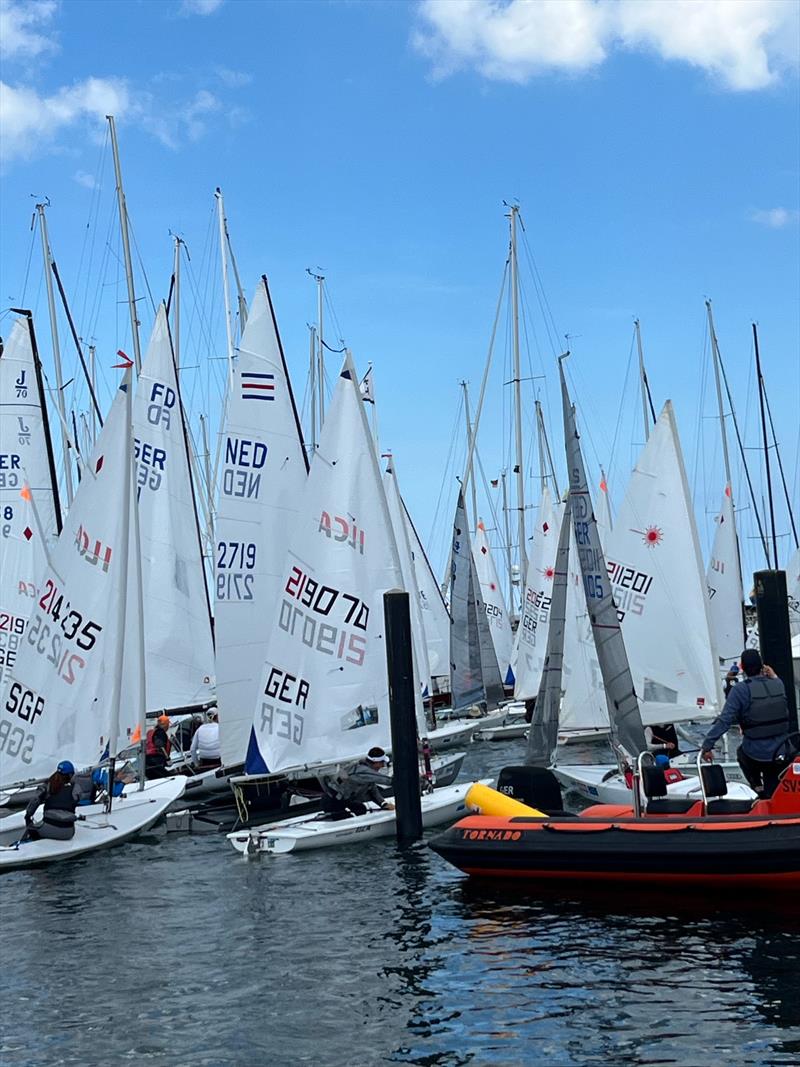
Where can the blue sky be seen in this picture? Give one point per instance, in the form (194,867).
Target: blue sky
(653,147)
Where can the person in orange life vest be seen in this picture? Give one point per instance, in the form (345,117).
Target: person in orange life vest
(157,749)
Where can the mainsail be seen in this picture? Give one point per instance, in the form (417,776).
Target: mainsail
(76,689)
(625,721)
(323,695)
(543,734)
(29,514)
(724,581)
(493,602)
(178,640)
(793,589)
(263,473)
(474,673)
(435,616)
(659,586)
(531,637)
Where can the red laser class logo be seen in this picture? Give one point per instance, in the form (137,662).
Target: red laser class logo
(652,536)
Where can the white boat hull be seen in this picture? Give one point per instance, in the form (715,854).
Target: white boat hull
(605,785)
(314,831)
(510,732)
(577,736)
(135,811)
(452,734)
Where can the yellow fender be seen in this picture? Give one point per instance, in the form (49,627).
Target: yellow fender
(486,801)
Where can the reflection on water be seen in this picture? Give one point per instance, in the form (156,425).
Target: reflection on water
(175,951)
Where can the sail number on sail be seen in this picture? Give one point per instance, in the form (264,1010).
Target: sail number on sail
(325,637)
(236,561)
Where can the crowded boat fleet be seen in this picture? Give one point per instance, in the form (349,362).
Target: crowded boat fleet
(195,637)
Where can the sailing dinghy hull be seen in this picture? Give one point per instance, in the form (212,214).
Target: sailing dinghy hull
(136,811)
(312,832)
(605,785)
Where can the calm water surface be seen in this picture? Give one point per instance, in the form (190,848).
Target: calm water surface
(176,951)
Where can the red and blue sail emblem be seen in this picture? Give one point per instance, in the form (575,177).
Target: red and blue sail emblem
(258,386)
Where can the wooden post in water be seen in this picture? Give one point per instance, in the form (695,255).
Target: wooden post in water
(774,636)
(405,761)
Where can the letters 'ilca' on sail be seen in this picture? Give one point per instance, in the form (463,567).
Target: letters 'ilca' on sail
(627,732)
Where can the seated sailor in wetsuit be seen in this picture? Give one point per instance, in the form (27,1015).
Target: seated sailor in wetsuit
(663,737)
(60,799)
(348,794)
(758,705)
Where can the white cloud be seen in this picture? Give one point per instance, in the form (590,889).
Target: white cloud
(88,181)
(200,7)
(30,121)
(233,79)
(744,44)
(20,25)
(183,121)
(776,217)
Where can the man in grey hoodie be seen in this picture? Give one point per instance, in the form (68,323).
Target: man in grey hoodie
(347,795)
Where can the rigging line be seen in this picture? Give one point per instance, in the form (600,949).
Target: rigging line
(91,228)
(454,436)
(780,468)
(141,266)
(544,304)
(28,266)
(621,406)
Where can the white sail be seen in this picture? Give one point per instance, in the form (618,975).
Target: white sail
(323,694)
(75,691)
(397,514)
(435,616)
(493,602)
(474,673)
(531,638)
(659,586)
(178,641)
(584,705)
(263,474)
(724,582)
(27,502)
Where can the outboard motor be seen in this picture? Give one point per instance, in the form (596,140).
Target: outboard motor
(537,787)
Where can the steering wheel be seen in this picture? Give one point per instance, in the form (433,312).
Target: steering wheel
(795,747)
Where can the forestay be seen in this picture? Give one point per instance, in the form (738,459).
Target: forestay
(625,721)
(28,504)
(263,473)
(543,734)
(659,585)
(323,695)
(493,602)
(474,673)
(178,640)
(724,582)
(76,689)
(531,637)
(435,616)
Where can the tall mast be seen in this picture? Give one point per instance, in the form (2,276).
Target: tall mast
(766,446)
(642,381)
(507,532)
(723,434)
(126,245)
(51,304)
(93,380)
(544,451)
(312,385)
(176,304)
(223,252)
(519,464)
(319,373)
(470,471)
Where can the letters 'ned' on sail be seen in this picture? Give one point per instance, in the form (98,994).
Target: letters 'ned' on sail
(76,689)
(627,731)
(263,471)
(474,673)
(324,695)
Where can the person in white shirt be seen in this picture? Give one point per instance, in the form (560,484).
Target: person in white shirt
(205,751)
